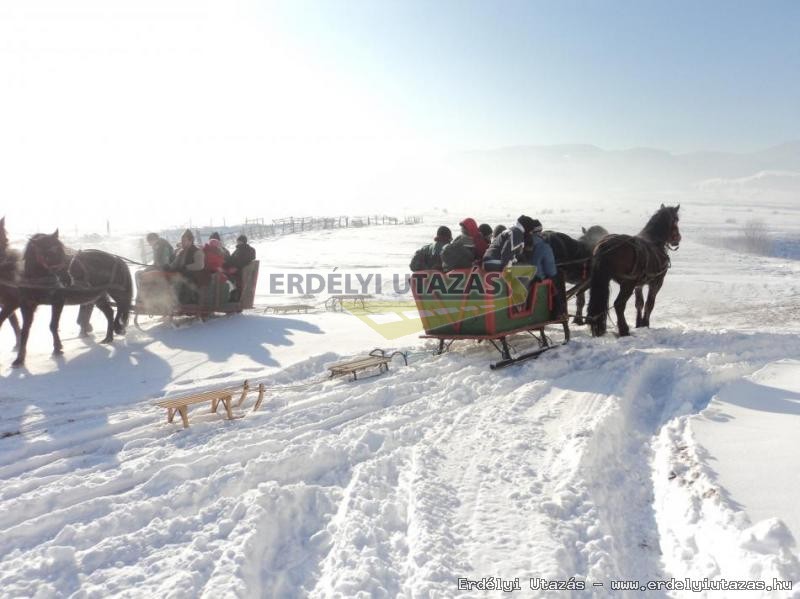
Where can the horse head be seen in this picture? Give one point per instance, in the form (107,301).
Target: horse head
(674,238)
(592,236)
(45,255)
(663,227)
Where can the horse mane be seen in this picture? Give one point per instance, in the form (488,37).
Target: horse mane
(659,226)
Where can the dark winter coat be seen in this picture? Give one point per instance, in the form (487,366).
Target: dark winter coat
(478,240)
(505,248)
(428,257)
(243,255)
(459,253)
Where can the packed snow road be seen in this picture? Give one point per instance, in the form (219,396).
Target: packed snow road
(588,464)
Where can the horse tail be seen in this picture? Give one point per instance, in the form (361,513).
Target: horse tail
(123,297)
(600,279)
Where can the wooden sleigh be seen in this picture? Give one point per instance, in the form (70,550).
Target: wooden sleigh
(490,312)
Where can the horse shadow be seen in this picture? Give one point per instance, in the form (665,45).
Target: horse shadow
(221,339)
(69,409)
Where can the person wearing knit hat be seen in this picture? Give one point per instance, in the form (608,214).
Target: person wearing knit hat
(243,255)
(429,257)
(190,263)
(543,259)
(497,230)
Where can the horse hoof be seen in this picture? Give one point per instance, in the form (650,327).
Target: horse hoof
(58,352)
(577,321)
(17,363)
(108,340)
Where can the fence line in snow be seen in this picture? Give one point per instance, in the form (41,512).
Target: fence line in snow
(261,228)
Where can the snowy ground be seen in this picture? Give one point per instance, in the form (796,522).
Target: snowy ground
(671,453)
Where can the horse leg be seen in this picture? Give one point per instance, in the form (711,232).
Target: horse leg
(28,311)
(580,301)
(652,291)
(55,318)
(625,291)
(8,312)
(15,326)
(84,319)
(639,306)
(106,309)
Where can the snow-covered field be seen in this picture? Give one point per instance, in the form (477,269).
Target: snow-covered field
(672,453)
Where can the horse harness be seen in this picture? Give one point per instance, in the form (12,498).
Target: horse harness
(651,261)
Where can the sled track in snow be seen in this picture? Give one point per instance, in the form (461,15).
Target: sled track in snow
(392,486)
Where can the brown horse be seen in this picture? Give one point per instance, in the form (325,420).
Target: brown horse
(9,261)
(632,261)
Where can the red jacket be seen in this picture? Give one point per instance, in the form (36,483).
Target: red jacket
(215,258)
(480,242)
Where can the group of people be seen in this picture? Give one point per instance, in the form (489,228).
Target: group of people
(488,248)
(196,264)
(491,249)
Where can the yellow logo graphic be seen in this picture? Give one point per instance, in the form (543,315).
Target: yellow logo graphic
(432,310)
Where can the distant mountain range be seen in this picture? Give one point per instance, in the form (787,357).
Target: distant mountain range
(566,168)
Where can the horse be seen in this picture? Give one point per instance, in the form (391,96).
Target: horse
(573,258)
(632,261)
(54,276)
(9,263)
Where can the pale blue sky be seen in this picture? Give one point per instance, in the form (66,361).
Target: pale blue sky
(171,109)
(681,75)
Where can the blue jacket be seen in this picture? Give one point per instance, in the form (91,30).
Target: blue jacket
(543,259)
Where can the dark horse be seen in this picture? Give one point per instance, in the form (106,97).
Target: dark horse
(632,261)
(53,276)
(9,262)
(574,258)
